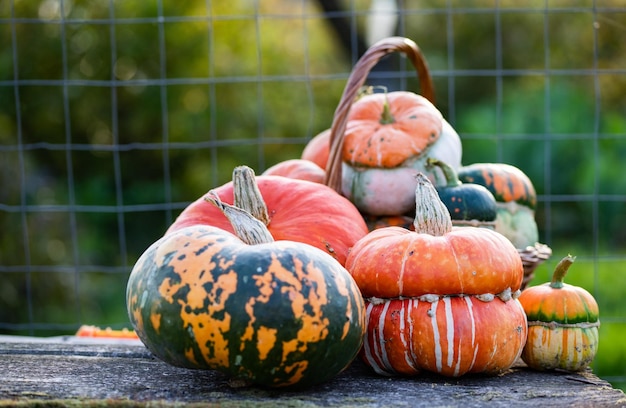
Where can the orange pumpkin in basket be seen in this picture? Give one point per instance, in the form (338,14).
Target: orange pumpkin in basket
(385,145)
(378,142)
(440,298)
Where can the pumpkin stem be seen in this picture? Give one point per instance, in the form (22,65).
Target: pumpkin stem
(431,215)
(247,195)
(364,91)
(386,117)
(249,229)
(452,178)
(560,271)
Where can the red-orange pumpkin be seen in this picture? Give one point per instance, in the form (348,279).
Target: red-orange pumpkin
(297,210)
(439,298)
(298,169)
(317,149)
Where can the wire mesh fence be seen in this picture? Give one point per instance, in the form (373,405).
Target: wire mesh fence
(115,115)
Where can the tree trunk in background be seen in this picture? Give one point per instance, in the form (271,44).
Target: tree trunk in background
(354,45)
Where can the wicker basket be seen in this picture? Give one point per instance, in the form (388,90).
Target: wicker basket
(532,256)
(354,88)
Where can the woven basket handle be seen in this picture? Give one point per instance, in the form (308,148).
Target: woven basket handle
(356,81)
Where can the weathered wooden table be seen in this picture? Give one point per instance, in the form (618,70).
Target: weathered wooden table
(92,372)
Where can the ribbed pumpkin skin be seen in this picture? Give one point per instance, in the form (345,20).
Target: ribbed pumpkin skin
(299,210)
(567,305)
(393,261)
(559,347)
(456,333)
(515,196)
(451,336)
(276,314)
(563,327)
(416,125)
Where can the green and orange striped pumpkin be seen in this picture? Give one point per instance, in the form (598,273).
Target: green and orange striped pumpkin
(515,197)
(563,323)
(440,298)
(274,313)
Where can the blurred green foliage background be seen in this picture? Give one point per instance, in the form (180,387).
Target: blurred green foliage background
(115,114)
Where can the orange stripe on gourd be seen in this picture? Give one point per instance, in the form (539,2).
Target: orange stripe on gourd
(515,196)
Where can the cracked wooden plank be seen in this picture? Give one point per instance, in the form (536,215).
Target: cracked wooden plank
(67,371)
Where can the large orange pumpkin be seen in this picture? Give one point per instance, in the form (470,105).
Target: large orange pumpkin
(440,298)
(293,210)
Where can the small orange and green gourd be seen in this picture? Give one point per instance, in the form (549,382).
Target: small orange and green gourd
(563,322)
(515,197)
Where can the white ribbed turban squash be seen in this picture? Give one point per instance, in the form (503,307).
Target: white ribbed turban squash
(440,298)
